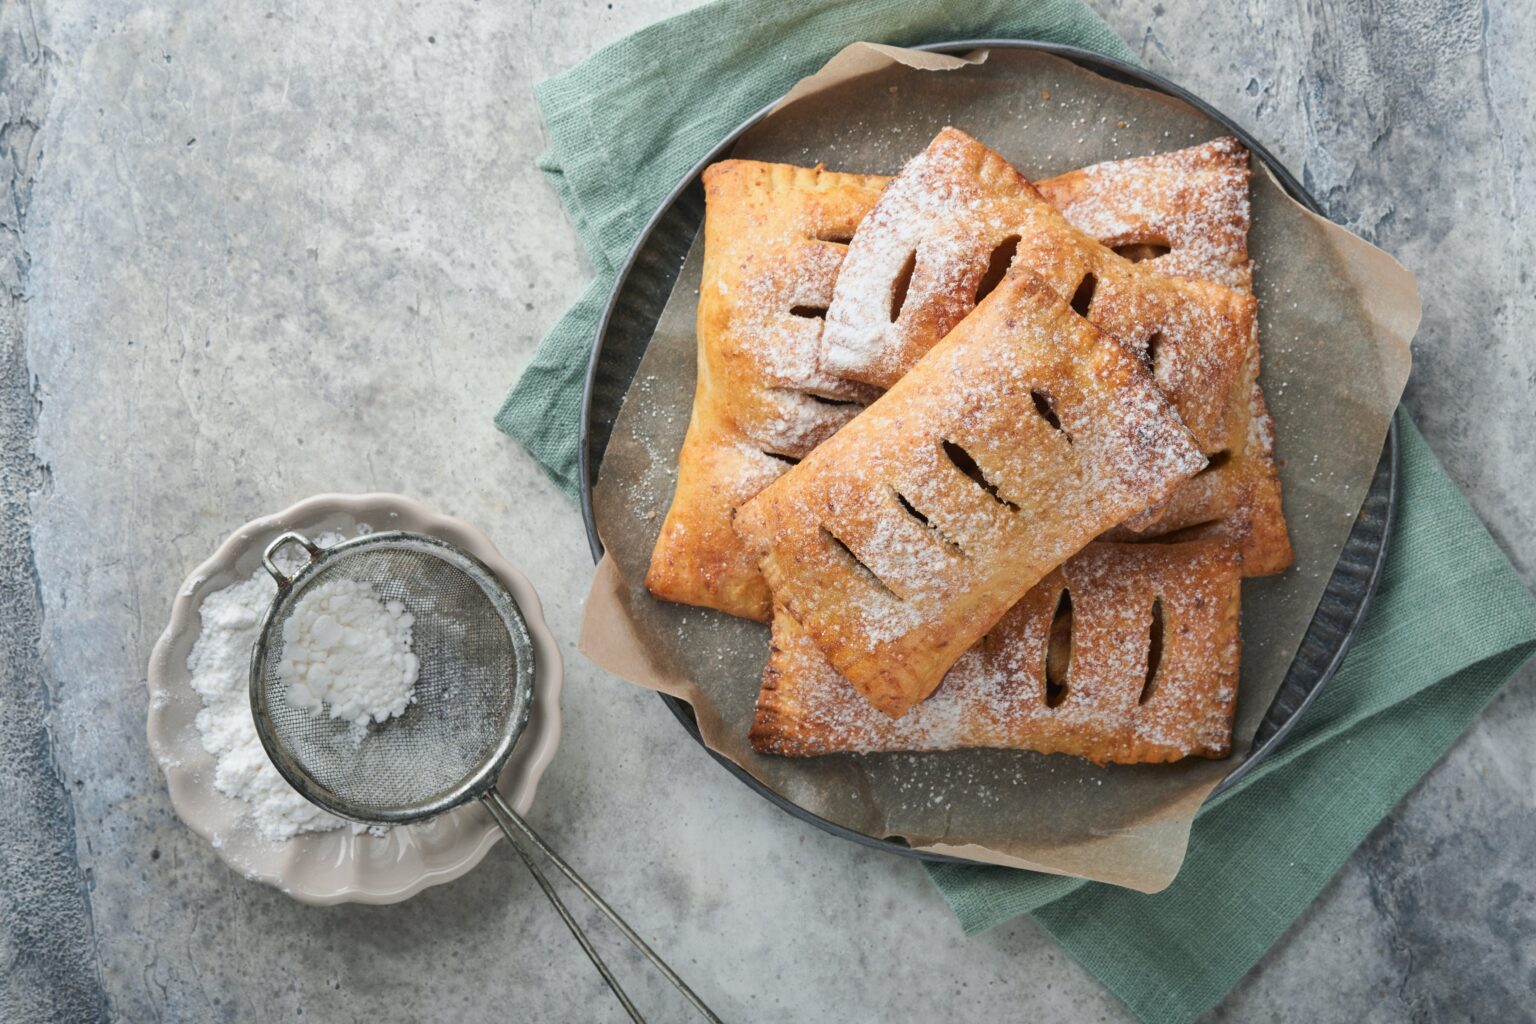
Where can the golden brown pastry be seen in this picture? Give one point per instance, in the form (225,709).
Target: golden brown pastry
(754,353)
(958,214)
(1020,437)
(773,241)
(1125,654)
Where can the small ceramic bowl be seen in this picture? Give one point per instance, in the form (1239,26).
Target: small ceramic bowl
(339,866)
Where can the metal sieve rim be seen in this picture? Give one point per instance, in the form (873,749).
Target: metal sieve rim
(477,782)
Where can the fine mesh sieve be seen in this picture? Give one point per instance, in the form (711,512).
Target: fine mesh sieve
(474,689)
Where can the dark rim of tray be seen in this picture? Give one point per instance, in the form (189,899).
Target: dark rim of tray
(645,282)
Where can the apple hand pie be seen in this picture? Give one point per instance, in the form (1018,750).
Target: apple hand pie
(1125,654)
(941,234)
(773,242)
(1021,436)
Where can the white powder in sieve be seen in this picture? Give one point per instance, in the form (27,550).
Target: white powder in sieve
(348,650)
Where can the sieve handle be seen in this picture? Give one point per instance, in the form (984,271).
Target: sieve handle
(281,541)
(570,922)
(518,830)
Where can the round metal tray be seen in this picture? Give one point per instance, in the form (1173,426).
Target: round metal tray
(645,282)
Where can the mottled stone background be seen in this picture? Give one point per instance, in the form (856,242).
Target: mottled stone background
(252,251)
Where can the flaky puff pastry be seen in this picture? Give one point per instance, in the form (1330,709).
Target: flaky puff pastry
(958,213)
(1020,437)
(773,242)
(1126,654)
(753,335)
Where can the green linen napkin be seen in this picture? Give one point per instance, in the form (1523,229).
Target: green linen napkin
(1449,625)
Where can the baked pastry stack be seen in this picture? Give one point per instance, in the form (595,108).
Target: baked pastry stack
(991,456)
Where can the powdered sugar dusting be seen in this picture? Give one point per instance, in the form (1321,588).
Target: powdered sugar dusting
(1194,201)
(895,623)
(995,695)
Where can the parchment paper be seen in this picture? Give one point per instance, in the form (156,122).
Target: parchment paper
(1336,318)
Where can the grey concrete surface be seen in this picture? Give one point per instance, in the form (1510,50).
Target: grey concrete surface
(46,943)
(256,251)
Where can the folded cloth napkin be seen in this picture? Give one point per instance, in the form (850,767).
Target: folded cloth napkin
(1449,625)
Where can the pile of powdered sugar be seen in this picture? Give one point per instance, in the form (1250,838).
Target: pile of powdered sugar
(220,664)
(347,652)
(364,631)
